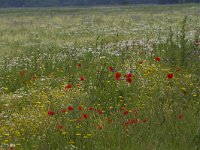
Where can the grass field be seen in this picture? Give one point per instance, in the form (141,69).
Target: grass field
(100,78)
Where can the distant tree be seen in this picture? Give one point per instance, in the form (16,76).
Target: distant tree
(124,2)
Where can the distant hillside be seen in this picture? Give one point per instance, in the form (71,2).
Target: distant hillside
(46,3)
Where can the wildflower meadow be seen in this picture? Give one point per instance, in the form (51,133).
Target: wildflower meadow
(100,78)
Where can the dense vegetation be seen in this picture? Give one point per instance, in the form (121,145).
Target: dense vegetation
(34,3)
(107,78)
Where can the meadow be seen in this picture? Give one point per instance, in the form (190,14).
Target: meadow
(100,78)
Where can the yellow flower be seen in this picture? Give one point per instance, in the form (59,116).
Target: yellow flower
(5,141)
(194,94)
(89,135)
(64,133)
(6,134)
(183,88)
(17,133)
(71,142)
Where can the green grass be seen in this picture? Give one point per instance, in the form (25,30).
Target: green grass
(40,53)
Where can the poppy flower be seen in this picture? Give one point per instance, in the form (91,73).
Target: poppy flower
(170,75)
(51,113)
(80,108)
(109,120)
(180,116)
(126,112)
(12,146)
(99,112)
(80,119)
(63,110)
(135,121)
(85,116)
(69,86)
(123,108)
(129,80)
(197,42)
(91,108)
(70,108)
(111,69)
(157,59)
(144,120)
(79,65)
(100,127)
(82,78)
(60,127)
(140,62)
(129,75)
(135,112)
(127,123)
(117,75)
(33,78)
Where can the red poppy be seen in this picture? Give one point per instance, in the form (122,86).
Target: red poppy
(144,120)
(129,75)
(100,127)
(111,69)
(135,121)
(79,65)
(170,75)
(91,108)
(60,127)
(51,113)
(99,112)
(70,108)
(63,110)
(82,78)
(85,116)
(129,80)
(109,120)
(157,59)
(69,86)
(197,42)
(33,78)
(12,147)
(126,112)
(180,116)
(117,75)
(78,85)
(123,108)
(135,112)
(127,123)
(80,108)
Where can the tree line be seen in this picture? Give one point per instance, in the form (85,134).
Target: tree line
(44,3)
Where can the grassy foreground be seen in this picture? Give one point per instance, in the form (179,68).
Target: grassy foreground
(107,78)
